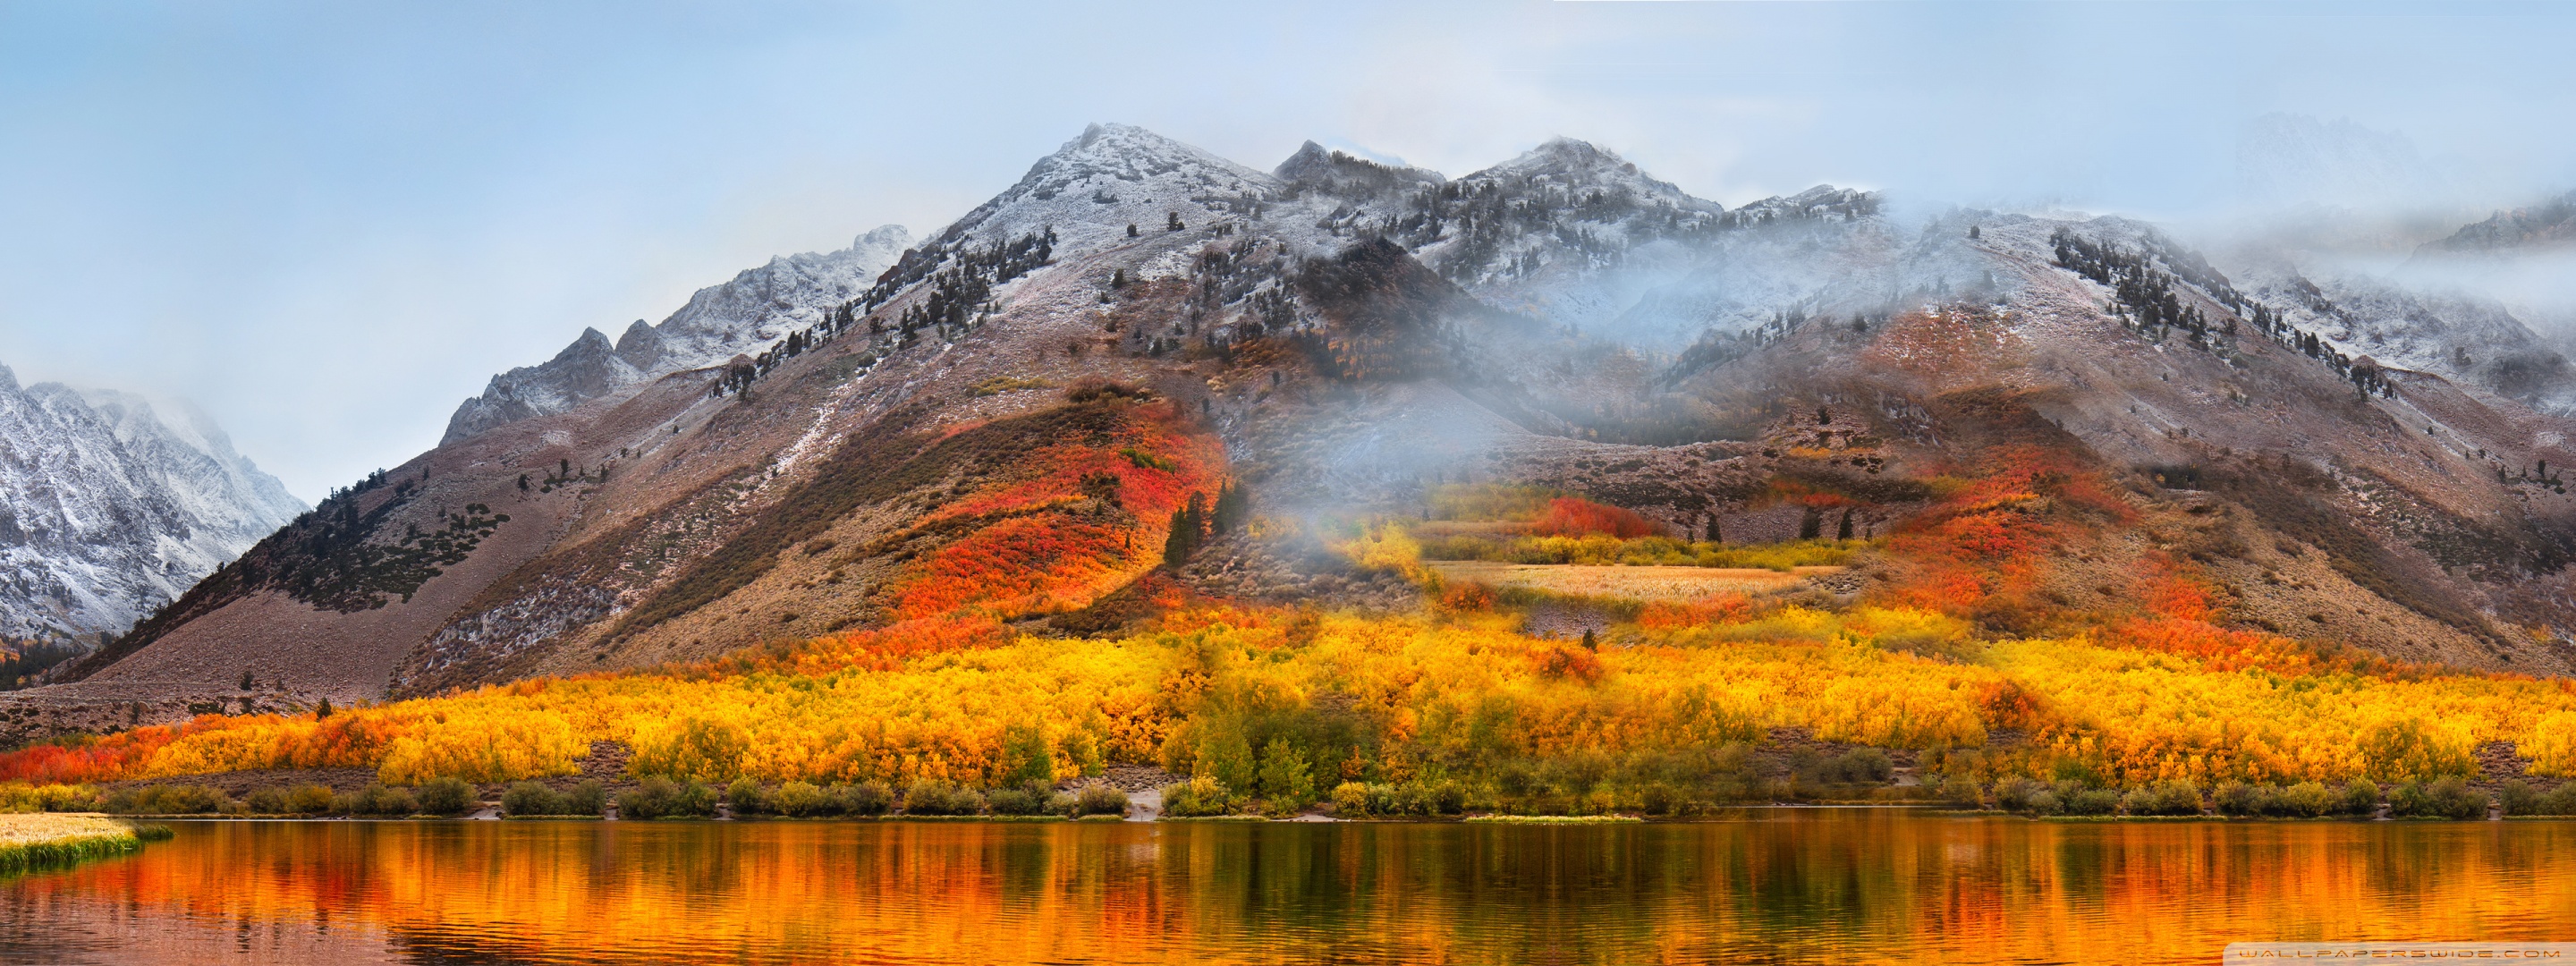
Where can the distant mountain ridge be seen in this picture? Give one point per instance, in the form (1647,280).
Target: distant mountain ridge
(107,509)
(2552,222)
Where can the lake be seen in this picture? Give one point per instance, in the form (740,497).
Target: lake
(1765,886)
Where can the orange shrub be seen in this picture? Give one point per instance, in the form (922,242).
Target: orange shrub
(1561,661)
(1574,517)
(1467,595)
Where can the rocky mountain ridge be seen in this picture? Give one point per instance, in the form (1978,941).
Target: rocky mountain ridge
(108,510)
(741,316)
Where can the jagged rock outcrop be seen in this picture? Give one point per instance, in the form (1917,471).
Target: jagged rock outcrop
(107,509)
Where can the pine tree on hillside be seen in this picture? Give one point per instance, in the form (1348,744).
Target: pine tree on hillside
(1189,529)
(1232,506)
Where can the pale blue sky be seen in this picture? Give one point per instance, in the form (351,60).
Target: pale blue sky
(328,223)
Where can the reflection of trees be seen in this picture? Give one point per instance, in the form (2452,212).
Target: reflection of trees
(1766,886)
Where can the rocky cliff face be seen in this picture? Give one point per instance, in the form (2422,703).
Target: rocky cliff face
(110,506)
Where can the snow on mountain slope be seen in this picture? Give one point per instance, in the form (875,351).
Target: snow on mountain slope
(1576,235)
(1114,176)
(106,510)
(1567,231)
(2453,333)
(740,317)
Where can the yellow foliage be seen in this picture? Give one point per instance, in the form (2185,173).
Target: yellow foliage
(485,748)
(2551,745)
(1446,694)
(1384,545)
(18,797)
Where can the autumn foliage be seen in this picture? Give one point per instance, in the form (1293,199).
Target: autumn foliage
(1958,656)
(1574,517)
(1085,516)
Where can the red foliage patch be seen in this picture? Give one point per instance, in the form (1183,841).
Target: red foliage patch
(1575,517)
(1038,555)
(1982,550)
(103,761)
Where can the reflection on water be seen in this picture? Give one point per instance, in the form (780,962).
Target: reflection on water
(1783,886)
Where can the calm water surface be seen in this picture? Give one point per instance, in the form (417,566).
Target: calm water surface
(1773,886)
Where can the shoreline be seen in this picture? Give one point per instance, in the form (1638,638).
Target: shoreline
(1716,815)
(30,841)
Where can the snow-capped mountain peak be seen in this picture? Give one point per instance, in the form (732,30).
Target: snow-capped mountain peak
(107,510)
(1133,154)
(1580,166)
(1091,190)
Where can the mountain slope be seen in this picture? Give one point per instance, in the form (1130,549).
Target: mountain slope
(1001,426)
(107,510)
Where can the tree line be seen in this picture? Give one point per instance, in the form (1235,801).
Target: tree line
(2145,300)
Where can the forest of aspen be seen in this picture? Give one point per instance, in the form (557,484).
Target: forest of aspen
(1674,707)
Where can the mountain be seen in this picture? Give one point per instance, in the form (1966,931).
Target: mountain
(2550,223)
(1005,423)
(719,322)
(107,510)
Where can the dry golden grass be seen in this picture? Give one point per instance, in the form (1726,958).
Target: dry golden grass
(32,828)
(1634,583)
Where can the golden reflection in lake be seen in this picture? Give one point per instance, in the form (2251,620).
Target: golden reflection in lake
(1776,885)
